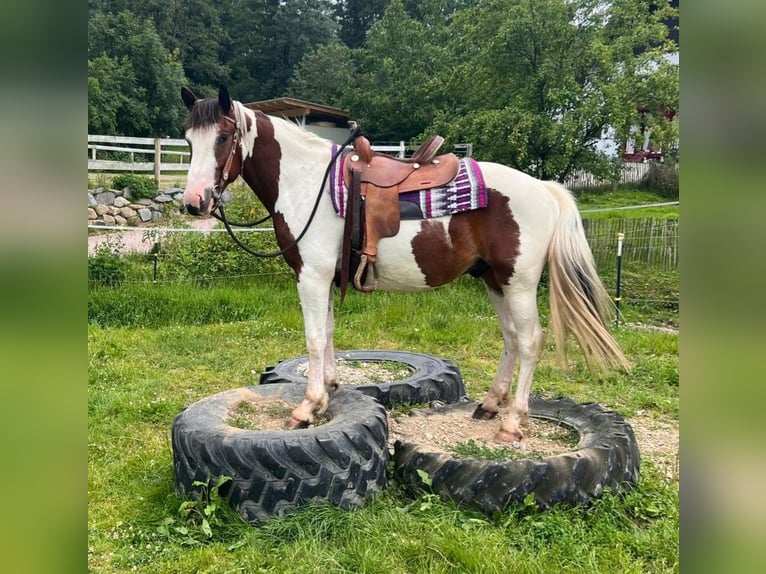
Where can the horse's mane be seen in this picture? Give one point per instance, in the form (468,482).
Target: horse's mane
(204,113)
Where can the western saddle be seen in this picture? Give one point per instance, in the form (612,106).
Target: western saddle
(375,181)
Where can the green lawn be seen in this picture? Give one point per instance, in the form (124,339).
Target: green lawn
(173,345)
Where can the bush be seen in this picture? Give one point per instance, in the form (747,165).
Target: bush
(662,178)
(138,185)
(107,267)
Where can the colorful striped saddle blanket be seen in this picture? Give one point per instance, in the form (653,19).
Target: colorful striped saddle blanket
(466,192)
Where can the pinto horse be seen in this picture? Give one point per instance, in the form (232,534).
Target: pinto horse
(526,223)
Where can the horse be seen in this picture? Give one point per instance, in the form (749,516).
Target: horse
(526,224)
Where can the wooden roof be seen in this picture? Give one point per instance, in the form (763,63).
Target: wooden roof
(292,108)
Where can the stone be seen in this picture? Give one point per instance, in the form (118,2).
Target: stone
(121,202)
(120,220)
(114,211)
(162,198)
(144,201)
(156,217)
(127,213)
(134,221)
(109,220)
(92,214)
(102,209)
(145,214)
(174,190)
(91,200)
(106,198)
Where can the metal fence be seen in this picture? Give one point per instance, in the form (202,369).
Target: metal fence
(652,242)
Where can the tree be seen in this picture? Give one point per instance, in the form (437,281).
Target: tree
(147,77)
(356,17)
(269,38)
(190,28)
(541,80)
(325,75)
(400,67)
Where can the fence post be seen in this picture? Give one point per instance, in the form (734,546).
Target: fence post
(157,160)
(618,288)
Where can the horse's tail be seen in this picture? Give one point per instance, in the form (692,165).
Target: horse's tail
(579,302)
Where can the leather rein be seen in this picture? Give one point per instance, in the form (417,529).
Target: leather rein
(218,193)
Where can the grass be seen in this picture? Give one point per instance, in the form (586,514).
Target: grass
(140,377)
(155,348)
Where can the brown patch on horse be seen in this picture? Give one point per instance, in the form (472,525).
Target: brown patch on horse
(261,172)
(491,234)
(204,113)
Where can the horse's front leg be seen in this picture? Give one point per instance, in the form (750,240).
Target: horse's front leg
(314,292)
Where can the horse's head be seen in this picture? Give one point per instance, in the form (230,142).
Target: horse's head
(214,133)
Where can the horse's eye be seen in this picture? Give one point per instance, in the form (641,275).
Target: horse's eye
(222,138)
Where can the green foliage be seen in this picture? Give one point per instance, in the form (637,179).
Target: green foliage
(133,80)
(662,178)
(106,267)
(139,185)
(199,516)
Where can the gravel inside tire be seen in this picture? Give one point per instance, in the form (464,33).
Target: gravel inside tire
(342,461)
(433,379)
(606,456)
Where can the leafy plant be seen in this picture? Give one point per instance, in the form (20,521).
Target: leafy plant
(107,267)
(198,516)
(138,185)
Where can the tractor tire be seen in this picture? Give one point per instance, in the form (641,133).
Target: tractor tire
(342,462)
(433,379)
(606,456)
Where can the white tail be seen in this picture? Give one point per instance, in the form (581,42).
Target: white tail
(579,302)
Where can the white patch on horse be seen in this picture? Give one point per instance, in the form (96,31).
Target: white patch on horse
(201,173)
(397,268)
(242,113)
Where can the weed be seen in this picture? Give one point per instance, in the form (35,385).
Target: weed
(107,267)
(198,517)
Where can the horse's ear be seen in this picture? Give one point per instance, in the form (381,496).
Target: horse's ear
(188,97)
(224,99)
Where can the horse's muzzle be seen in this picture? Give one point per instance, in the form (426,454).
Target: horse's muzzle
(204,204)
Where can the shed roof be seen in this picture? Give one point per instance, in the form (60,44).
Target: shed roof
(294,108)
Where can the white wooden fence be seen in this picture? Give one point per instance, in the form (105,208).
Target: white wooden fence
(137,154)
(158,155)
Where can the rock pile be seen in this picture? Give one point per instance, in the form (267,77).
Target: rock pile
(116,207)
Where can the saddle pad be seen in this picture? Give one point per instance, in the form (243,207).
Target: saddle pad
(466,192)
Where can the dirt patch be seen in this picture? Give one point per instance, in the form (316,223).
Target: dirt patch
(458,433)
(365,372)
(266,414)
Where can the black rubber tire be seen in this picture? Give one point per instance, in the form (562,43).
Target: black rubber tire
(606,456)
(342,461)
(433,379)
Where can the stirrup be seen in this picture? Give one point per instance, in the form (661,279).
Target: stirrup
(358,276)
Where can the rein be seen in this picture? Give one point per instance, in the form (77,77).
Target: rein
(227,224)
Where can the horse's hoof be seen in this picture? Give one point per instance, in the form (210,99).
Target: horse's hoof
(505,437)
(482,414)
(333,387)
(292,423)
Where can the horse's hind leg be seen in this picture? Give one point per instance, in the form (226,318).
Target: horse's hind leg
(523,308)
(497,397)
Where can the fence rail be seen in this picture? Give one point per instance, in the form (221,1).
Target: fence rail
(137,154)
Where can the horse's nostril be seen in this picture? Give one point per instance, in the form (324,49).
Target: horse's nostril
(192,210)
